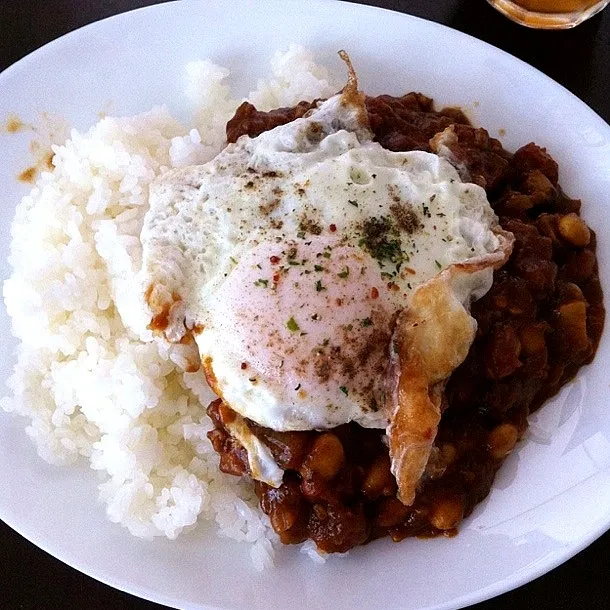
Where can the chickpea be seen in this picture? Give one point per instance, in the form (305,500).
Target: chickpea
(283,518)
(571,292)
(574,313)
(502,439)
(446,513)
(532,339)
(326,457)
(538,187)
(379,480)
(574,230)
(448,453)
(573,322)
(391,512)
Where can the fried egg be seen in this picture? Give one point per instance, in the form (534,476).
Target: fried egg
(290,256)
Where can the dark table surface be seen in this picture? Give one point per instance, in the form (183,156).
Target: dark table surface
(579,59)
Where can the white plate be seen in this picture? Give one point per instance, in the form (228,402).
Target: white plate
(546,504)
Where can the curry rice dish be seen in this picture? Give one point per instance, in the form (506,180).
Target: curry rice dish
(379,294)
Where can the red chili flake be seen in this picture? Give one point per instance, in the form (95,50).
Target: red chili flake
(276,277)
(274,260)
(374,293)
(244,365)
(339,302)
(333,228)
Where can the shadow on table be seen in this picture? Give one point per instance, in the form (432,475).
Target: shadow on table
(576,58)
(571,57)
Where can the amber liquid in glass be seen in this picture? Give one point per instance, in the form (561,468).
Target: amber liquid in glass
(556,6)
(549,14)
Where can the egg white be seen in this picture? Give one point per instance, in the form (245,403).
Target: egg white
(293,252)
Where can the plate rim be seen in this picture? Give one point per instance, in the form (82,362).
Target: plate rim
(569,550)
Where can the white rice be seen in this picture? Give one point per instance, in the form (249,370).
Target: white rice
(91,379)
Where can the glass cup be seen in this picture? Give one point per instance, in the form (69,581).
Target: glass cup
(549,14)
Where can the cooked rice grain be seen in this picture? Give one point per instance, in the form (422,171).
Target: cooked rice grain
(90,377)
